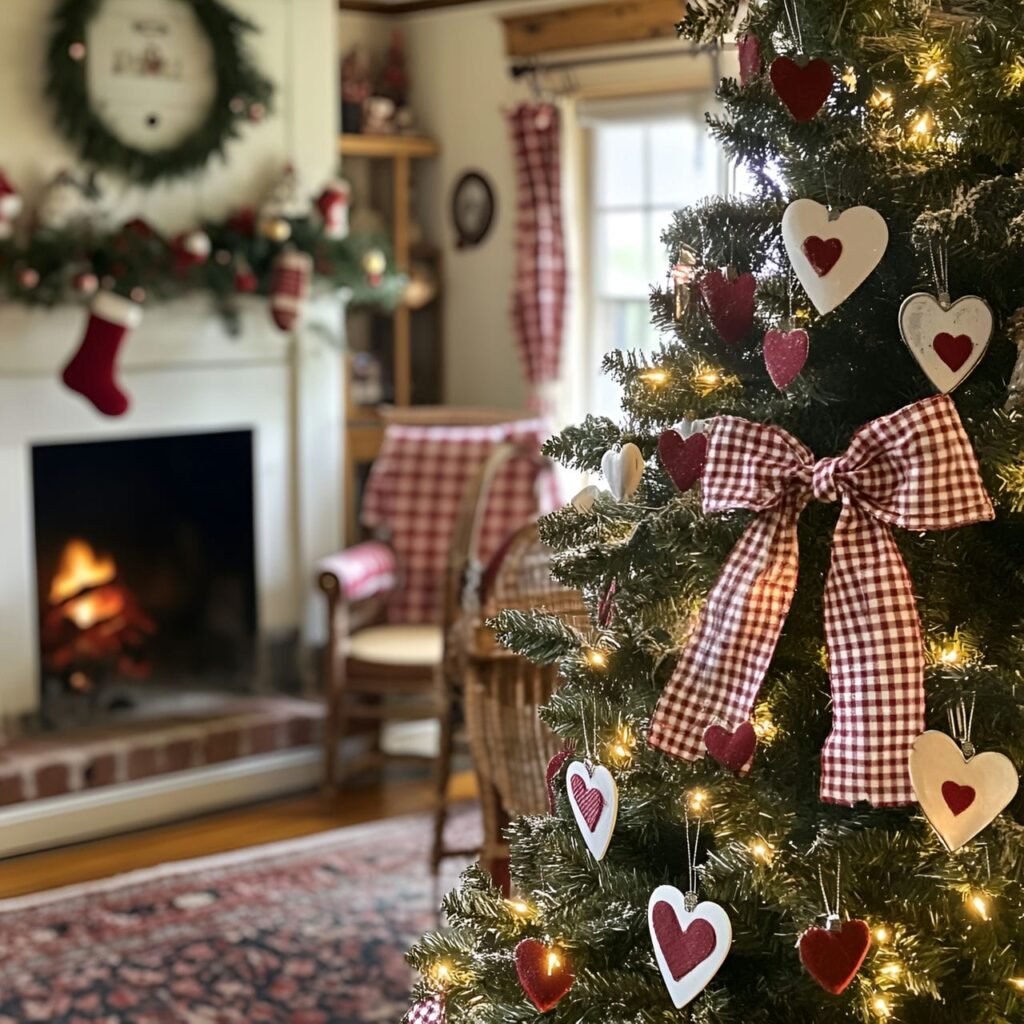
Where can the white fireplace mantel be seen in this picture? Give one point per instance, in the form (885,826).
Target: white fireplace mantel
(185,374)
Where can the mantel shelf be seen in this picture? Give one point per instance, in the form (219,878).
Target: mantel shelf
(387,147)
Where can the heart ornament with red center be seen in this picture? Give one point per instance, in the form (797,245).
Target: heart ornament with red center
(961,793)
(948,340)
(594,798)
(691,941)
(833,255)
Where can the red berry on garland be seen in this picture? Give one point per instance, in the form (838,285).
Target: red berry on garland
(246,280)
(257,112)
(28,278)
(243,221)
(191,249)
(138,294)
(802,85)
(77,51)
(91,371)
(86,283)
(730,302)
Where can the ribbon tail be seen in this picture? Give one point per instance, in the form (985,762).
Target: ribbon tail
(876,664)
(724,661)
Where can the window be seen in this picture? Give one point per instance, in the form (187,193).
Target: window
(645,160)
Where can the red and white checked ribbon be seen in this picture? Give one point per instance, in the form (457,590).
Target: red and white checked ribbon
(914,469)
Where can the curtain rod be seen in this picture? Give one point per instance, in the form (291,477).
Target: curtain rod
(540,68)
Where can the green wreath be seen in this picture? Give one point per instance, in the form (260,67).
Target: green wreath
(242,95)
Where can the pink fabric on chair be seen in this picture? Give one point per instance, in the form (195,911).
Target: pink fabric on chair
(362,570)
(415,490)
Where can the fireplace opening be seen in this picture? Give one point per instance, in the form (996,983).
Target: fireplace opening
(145,569)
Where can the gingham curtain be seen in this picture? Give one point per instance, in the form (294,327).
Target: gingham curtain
(539,295)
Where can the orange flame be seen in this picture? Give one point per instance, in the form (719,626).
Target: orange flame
(82,569)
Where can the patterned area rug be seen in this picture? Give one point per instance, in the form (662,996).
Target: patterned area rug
(310,931)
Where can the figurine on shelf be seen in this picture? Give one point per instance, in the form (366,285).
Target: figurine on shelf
(355,89)
(394,77)
(287,201)
(379,116)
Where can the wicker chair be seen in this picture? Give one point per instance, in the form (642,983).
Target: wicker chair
(510,745)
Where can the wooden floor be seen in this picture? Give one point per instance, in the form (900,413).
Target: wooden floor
(217,833)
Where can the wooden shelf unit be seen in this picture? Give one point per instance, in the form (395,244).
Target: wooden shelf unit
(364,427)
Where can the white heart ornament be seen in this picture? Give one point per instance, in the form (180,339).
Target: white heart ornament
(690,945)
(584,501)
(832,258)
(623,470)
(959,797)
(948,341)
(594,799)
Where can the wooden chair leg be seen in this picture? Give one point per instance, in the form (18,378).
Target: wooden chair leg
(442,773)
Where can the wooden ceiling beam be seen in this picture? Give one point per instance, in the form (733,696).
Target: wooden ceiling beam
(599,24)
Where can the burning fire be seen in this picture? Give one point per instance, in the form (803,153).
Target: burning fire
(92,623)
(82,585)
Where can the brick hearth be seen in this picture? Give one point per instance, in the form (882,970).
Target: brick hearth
(44,766)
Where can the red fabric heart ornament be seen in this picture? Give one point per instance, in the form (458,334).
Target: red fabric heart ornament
(803,88)
(684,949)
(730,304)
(785,355)
(589,800)
(751,63)
(606,606)
(833,959)
(555,766)
(822,253)
(954,352)
(958,798)
(731,750)
(683,458)
(544,981)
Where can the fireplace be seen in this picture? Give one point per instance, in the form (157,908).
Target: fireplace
(145,571)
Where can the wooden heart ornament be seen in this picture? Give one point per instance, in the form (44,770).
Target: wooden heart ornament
(802,85)
(594,798)
(543,973)
(729,298)
(948,341)
(832,258)
(833,958)
(683,450)
(690,945)
(785,354)
(731,749)
(623,469)
(585,500)
(959,797)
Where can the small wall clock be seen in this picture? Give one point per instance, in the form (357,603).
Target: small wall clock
(152,88)
(473,209)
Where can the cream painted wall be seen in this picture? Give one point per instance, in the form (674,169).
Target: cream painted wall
(296,49)
(460,84)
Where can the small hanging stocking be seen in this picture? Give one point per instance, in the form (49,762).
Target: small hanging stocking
(92,368)
(290,288)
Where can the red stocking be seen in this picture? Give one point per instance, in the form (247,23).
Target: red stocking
(91,370)
(290,287)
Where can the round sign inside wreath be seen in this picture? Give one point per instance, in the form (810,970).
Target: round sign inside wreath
(152,89)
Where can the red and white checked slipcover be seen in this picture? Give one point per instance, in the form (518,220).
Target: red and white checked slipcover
(539,292)
(913,469)
(415,490)
(362,570)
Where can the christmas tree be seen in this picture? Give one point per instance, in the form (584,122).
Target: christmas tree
(802,706)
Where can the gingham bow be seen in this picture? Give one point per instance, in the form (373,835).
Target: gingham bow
(913,469)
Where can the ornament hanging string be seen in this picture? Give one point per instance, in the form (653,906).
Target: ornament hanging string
(793,18)
(961,724)
(832,913)
(940,269)
(691,860)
